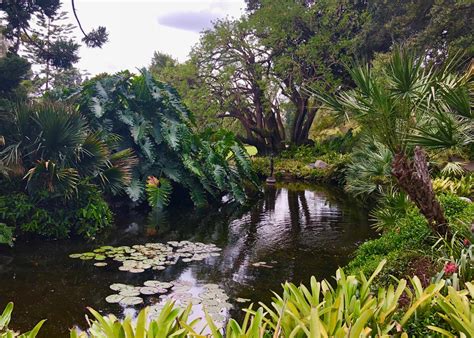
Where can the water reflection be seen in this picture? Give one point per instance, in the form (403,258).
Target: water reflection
(297,231)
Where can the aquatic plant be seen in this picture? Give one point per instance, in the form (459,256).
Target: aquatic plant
(154,256)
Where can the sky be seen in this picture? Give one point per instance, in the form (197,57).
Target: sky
(137,28)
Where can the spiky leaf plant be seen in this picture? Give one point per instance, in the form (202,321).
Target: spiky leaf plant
(414,106)
(52,147)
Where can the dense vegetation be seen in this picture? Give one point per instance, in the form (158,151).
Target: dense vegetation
(395,130)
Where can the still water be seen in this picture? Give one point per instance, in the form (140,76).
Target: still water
(297,230)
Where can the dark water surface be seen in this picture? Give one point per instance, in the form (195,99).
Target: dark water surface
(299,230)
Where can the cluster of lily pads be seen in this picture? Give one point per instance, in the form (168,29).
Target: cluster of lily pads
(209,296)
(130,295)
(155,256)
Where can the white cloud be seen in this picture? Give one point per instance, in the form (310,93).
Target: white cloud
(138,28)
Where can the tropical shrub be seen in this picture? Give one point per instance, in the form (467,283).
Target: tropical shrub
(49,150)
(406,236)
(369,171)
(456,255)
(150,118)
(292,168)
(6,234)
(52,147)
(85,215)
(463,186)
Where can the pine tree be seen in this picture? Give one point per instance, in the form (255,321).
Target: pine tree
(51,48)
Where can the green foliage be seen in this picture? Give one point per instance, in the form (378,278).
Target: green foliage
(412,105)
(149,117)
(287,167)
(51,146)
(5,332)
(463,186)
(6,234)
(13,69)
(85,215)
(457,257)
(405,234)
(171,322)
(370,169)
(432,28)
(158,193)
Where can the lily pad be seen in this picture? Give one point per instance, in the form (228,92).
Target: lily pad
(136,270)
(131,301)
(119,286)
(149,290)
(129,293)
(114,298)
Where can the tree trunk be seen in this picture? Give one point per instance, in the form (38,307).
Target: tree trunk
(414,178)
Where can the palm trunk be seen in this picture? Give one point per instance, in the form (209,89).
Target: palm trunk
(414,178)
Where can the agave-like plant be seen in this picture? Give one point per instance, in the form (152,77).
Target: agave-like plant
(51,146)
(414,106)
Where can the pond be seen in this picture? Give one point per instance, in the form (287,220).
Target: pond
(292,232)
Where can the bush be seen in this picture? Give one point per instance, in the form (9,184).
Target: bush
(50,217)
(6,234)
(286,167)
(406,236)
(150,117)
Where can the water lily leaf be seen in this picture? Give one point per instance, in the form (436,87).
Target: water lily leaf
(114,298)
(136,270)
(131,301)
(129,293)
(149,290)
(119,286)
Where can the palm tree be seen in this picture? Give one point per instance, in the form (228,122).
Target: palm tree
(51,146)
(412,107)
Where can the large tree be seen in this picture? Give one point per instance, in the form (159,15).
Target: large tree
(51,48)
(259,68)
(18,15)
(184,77)
(431,27)
(309,42)
(235,69)
(35,26)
